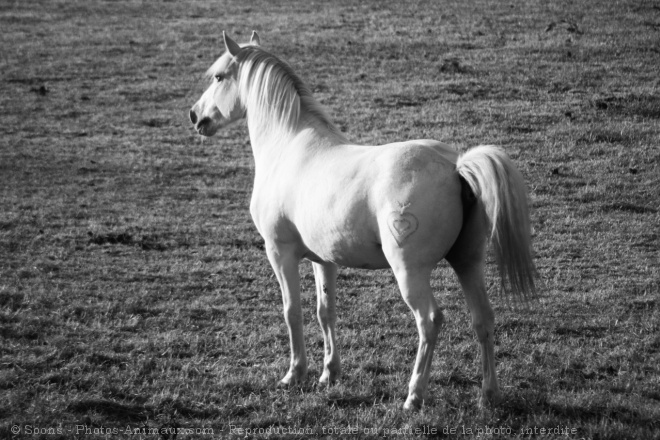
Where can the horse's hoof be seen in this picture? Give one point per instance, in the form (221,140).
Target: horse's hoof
(328,378)
(413,403)
(289,386)
(490,398)
(291,380)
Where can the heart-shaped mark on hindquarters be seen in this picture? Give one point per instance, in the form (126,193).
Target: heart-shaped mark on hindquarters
(402,225)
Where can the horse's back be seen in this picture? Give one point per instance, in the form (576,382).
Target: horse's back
(406,165)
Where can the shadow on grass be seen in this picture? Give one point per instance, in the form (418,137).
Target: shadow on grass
(115,411)
(526,406)
(145,242)
(357,401)
(135,413)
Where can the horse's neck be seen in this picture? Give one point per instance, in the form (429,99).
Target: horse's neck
(272,145)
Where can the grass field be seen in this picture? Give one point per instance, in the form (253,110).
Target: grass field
(135,293)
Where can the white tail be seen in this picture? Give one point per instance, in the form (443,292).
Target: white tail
(499,187)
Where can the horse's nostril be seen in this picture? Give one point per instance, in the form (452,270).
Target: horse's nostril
(202,122)
(193,116)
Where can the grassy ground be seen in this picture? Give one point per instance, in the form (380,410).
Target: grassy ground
(134,290)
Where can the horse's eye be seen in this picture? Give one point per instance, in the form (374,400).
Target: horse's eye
(219,77)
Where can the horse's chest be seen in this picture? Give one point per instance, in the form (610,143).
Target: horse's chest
(267,217)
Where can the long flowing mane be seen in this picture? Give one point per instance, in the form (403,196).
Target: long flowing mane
(275,95)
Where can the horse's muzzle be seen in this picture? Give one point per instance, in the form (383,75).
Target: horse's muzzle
(202,126)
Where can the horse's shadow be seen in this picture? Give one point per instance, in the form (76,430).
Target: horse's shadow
(529,405)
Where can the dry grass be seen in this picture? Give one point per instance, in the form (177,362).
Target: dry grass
(134,290)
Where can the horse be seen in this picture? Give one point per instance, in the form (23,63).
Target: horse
(405,206)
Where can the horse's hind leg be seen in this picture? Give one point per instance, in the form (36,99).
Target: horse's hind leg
(483,322)
(326,281)
(467,257)
(416,291)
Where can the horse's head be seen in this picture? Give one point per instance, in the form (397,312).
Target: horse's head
(220,105)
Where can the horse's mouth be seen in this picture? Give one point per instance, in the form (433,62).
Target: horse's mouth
(205,130)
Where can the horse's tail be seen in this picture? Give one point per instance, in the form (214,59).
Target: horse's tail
(500,190)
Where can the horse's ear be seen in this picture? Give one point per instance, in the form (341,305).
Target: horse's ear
(254,40)
(232,47)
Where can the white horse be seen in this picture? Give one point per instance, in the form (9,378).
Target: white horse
(404,205)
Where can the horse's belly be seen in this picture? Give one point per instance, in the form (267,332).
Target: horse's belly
(349,243)
(366,256)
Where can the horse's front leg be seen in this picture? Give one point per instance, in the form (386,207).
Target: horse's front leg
(285,264)
(325,275)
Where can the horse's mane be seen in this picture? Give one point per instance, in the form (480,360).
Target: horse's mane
(273,92)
